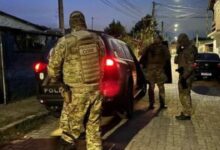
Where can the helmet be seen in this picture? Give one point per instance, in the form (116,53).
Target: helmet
(77,21)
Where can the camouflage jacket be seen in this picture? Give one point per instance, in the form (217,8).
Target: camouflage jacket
(185,58)
(155,54)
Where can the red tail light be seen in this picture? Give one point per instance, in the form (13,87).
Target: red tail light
(219,65)
(39,67)
(109,62)
(110,84)
(195,65)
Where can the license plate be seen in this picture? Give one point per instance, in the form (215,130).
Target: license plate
(206,74)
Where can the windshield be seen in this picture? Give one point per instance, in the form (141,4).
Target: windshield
(208,57)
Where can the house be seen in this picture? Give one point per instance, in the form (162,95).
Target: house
(204,44)
(22,44)
(214,6)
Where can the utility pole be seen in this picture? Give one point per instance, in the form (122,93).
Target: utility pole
(92,22)
(153,17)
(61,16)
(162,28)
(153,9)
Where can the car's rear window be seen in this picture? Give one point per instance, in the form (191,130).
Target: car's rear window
(208,57)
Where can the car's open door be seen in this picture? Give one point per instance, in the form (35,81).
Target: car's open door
(168,67)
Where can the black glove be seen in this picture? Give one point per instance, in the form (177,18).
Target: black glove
(183,83)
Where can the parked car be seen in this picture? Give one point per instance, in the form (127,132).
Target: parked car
(123,80)
(207,66)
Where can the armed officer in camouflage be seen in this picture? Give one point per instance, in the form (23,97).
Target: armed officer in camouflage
(154,59)
(75,61)
(186,53)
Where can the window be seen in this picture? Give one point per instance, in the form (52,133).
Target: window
(208,57)
(127,52)
(32,43)
(118,49)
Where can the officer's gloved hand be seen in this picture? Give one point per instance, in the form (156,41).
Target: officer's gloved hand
(65,93)
(183,83)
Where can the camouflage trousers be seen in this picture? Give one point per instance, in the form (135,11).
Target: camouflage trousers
(152,95)
(156,75)
(185,98)
(85,104)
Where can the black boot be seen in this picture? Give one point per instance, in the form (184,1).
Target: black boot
(151,98)
(162,103)
(183,117)
(64,145)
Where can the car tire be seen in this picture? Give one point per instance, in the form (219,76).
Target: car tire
(129,109)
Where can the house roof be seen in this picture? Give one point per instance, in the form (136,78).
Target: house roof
(23,21)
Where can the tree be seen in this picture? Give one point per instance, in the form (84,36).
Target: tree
(115,29)
(143,24)
(143,32)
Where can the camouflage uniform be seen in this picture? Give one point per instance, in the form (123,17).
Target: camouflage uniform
(154,59)
(82,74)
(185,59)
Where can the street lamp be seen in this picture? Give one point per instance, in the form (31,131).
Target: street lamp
(175,38)
(175,29)
(176,25)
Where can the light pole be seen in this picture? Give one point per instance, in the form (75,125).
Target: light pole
(92,22)
(61,16)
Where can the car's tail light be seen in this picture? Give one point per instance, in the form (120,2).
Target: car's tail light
(39,67)
(195,65)
(109,62)
(218,65)
(110,84)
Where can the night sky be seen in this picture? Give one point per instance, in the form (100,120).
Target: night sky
(189,14)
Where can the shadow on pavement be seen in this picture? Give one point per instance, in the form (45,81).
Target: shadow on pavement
(211,88)
(117,141)
(121,138)
(32,144)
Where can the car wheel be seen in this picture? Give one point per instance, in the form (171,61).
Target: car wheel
(130,101)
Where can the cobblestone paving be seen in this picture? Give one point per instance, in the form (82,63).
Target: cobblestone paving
(45,130)
(166,133)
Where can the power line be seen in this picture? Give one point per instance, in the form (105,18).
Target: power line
(111,5)
(124,5)
(180,7)
(133,6)
(184,17)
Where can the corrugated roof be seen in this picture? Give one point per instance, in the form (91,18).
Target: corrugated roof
(23,21)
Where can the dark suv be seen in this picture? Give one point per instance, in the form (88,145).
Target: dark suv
(123,80)
(207,66)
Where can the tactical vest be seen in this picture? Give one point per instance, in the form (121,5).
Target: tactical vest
(156,54)
(86,55)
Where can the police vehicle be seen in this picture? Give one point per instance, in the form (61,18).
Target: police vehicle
(122,84)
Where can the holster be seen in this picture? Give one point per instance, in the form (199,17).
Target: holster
(66,93)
